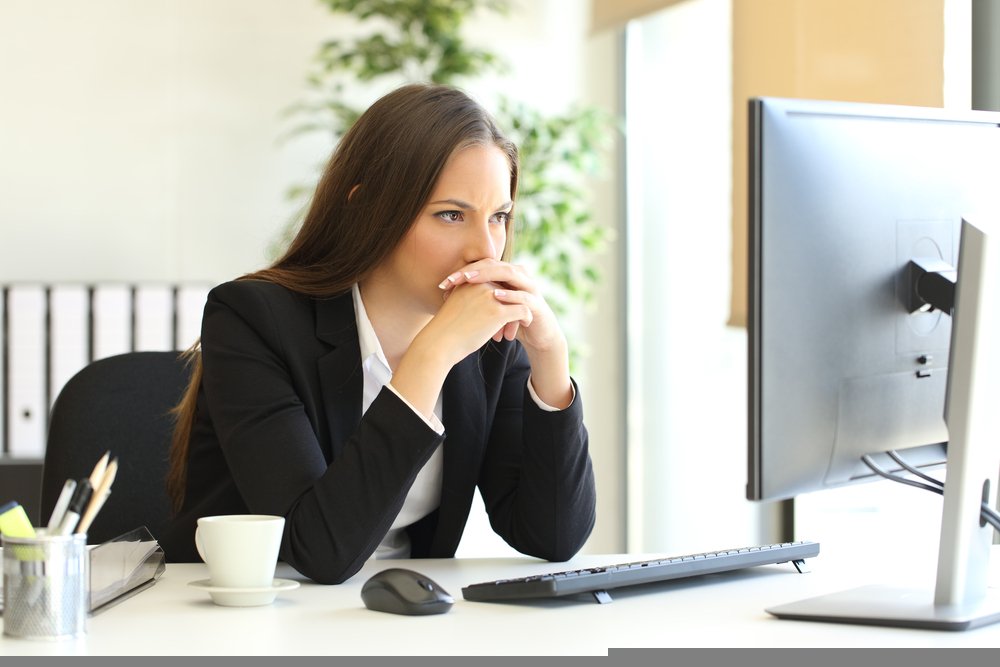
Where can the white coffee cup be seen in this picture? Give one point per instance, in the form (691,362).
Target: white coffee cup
(241,550)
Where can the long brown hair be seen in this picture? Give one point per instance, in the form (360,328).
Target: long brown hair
(377,181)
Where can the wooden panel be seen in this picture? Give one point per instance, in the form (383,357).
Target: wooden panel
(614,13)
(890,52)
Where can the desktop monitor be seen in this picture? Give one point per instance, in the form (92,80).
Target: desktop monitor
(853,208)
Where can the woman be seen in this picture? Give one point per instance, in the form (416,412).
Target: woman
(390,362)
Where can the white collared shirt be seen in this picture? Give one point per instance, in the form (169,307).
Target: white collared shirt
(425,494)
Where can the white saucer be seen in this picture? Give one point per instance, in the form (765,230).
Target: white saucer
(244,597)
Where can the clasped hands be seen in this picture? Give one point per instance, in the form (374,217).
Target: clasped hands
(504,295)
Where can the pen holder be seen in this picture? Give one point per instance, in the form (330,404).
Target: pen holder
(46,583)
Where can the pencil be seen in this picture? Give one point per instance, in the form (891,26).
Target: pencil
(98,474)
(97,500)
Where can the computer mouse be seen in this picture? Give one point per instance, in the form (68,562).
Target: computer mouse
(400,591)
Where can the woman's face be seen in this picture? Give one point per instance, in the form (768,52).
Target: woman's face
(464,221)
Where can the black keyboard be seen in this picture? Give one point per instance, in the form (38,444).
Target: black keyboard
(598,580)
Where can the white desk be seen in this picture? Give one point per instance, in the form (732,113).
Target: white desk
(172,618)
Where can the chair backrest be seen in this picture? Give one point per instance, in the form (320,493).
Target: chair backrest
(119,404)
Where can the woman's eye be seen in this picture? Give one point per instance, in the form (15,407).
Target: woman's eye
(501,218)
(450,216)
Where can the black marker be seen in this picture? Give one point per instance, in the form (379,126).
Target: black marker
(80,499)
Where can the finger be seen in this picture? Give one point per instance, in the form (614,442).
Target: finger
(450,281)
(514,297)
(461,283)
(511,275)
(509,331)
(457,278)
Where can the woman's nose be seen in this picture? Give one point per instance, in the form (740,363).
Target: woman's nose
(482,243)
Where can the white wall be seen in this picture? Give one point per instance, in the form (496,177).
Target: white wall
(687,369)
(141,141)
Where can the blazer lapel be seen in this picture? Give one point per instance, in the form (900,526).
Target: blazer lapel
(340,374)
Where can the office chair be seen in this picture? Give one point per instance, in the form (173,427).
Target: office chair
(118,404)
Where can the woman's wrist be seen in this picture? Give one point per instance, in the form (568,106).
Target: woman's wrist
(420,376)
(550,376)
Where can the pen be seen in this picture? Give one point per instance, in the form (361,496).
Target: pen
(59,511)
(99,496)
(80,498)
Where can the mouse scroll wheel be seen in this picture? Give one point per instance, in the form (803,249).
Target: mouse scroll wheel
(426,585)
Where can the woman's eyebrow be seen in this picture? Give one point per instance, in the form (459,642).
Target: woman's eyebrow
(457,203)
(466,206)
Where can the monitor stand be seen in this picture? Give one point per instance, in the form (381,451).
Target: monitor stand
(892,606)
(961,599)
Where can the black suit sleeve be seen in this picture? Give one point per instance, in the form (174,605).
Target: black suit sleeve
(336,513)
(538,480)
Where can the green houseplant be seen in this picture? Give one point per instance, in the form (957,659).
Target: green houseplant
(421,40)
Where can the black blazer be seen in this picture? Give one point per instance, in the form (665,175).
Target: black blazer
(278,430)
